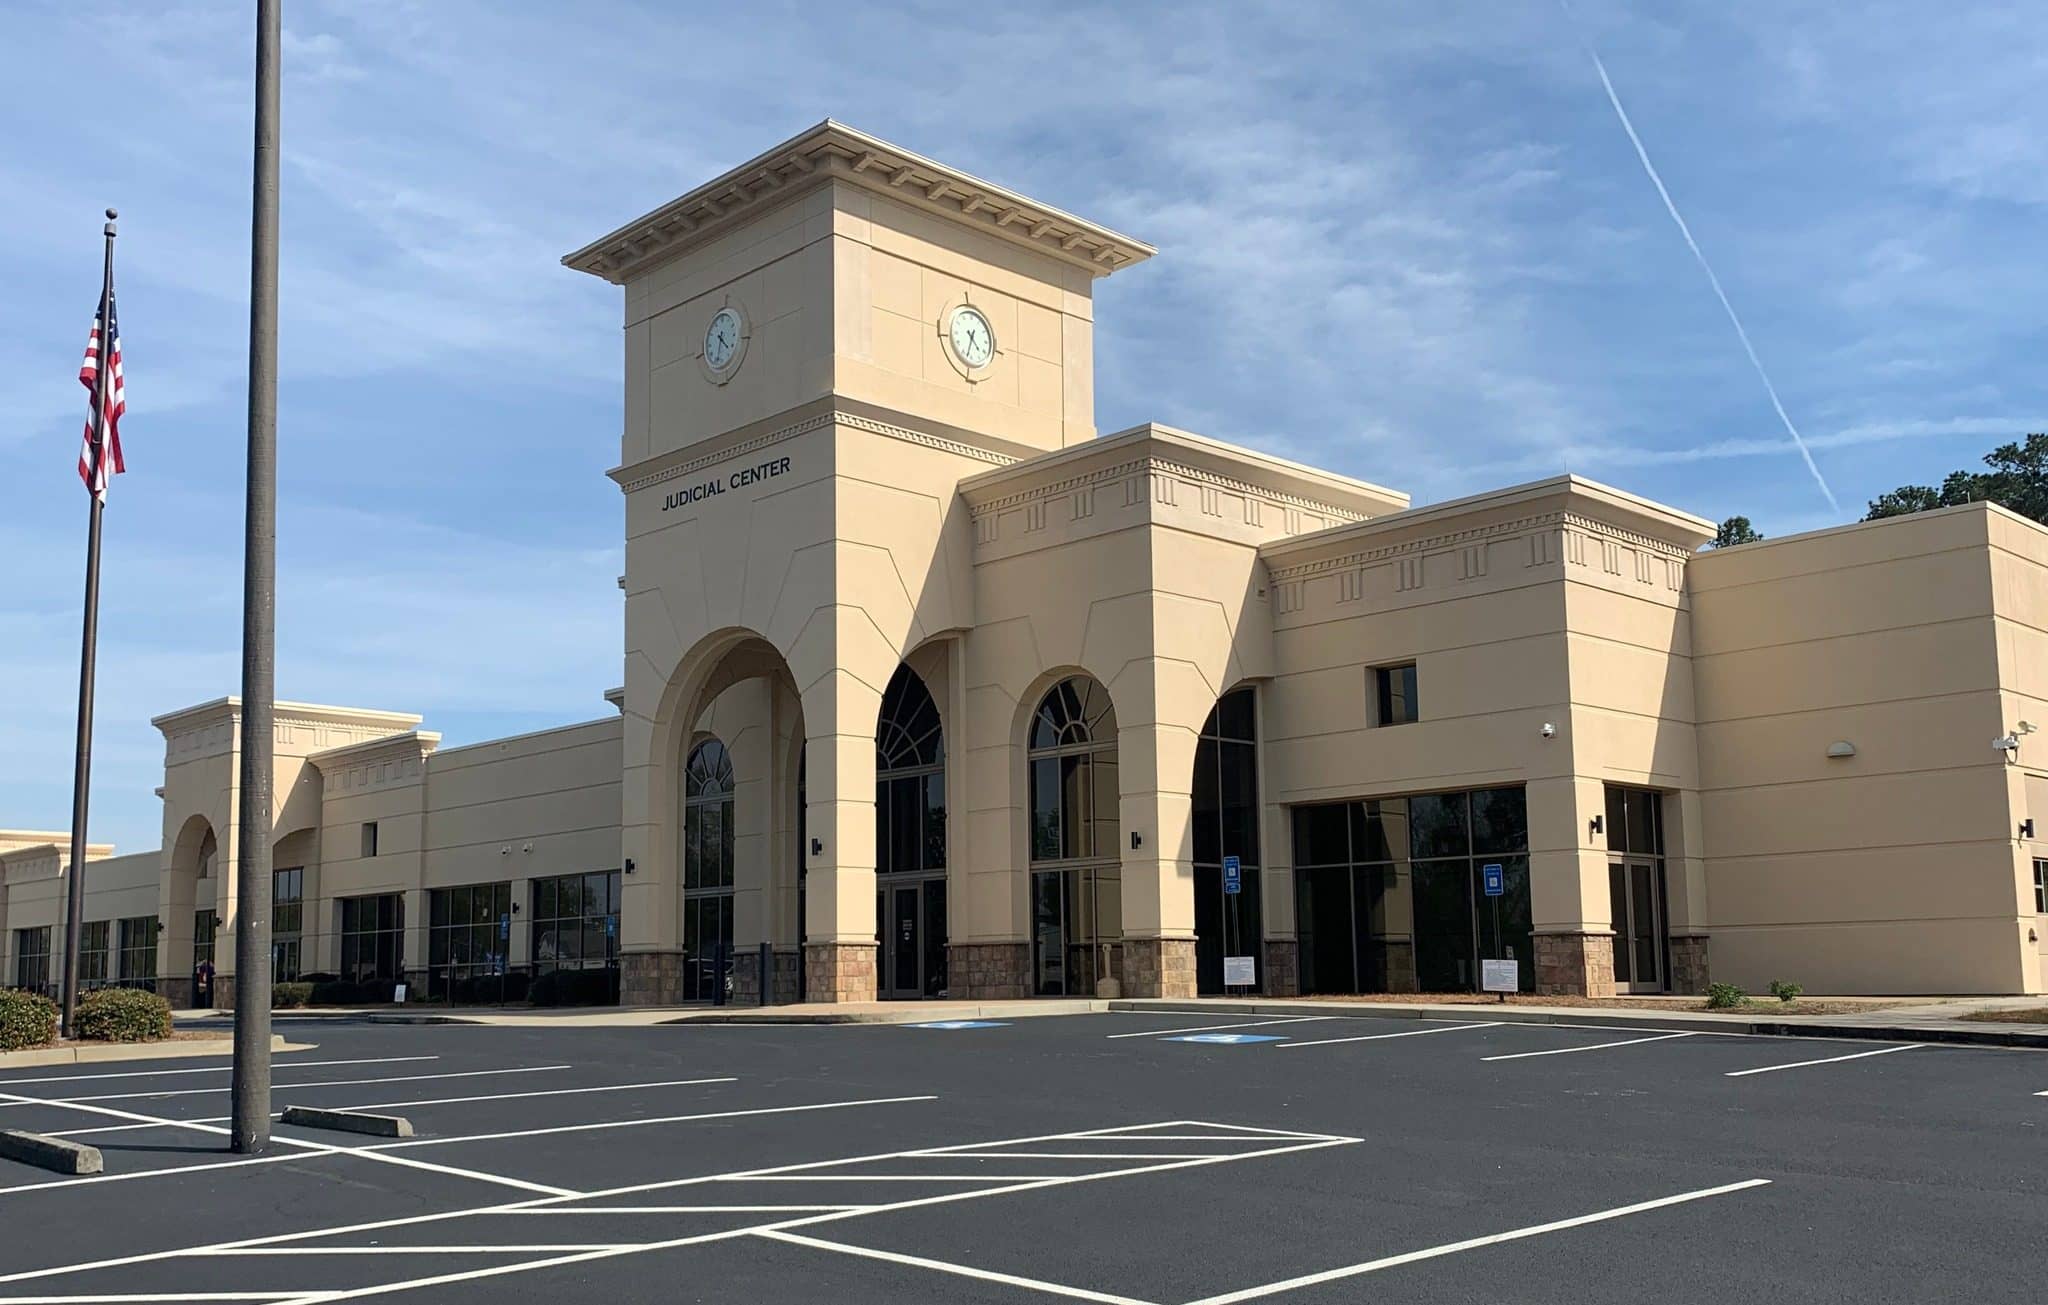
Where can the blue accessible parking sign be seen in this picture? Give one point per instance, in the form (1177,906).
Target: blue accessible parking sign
(1495,880)
(1233,876)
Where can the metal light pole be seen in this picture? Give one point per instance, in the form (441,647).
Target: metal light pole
(250,1125)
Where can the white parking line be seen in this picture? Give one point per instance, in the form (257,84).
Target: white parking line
(1827,1060)
(364,1153)
(1207,1028)
(961,1270)
(1473,1243)
(431,1101)
(1375,1037)
(1597,1046)
(490,1249)
(689,1209)
(283,1087)
(1293,1143)
(637,1123)
(207,1069)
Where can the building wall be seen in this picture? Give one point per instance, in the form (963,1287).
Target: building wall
(1895,869)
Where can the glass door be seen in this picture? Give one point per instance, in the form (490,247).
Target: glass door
(1049,933)
(1636,896)
(905,951)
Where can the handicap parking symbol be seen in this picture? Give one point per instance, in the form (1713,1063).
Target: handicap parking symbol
(1228,1039)
(963,1024)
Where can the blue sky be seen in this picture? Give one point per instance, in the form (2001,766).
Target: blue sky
(1408,242)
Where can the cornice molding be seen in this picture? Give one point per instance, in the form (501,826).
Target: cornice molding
(1449,539)
(834,151)
(629,483)
(1146,464)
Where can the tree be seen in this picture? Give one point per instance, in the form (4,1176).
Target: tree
(1733,531)
(2018,479)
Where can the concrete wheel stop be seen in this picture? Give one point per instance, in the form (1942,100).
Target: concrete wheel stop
(54,1153)
(348,1121)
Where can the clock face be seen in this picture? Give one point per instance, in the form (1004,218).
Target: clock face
(973,342)
(721,339)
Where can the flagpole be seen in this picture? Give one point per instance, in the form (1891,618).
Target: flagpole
(81,776)
(249,1128)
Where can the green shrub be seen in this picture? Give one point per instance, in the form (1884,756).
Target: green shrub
(1786,992)
(27,1019)
(121,1015)
(1725,996)
(290,996)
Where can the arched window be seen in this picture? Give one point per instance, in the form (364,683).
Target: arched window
(1076,890)
(910,779)
(910,840)
(1226,824)
(707,869)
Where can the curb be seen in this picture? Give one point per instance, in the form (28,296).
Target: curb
(57,1154)
(910,1015)
(100,1053)
(1648,1020)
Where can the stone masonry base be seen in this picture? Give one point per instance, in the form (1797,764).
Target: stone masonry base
(1689,973)
(1575,964)
(785,964)
(1159,967)
(650,978)
(988,971)
(839,971)
(1283,968)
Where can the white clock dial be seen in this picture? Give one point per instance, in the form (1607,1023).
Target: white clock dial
(973,342)
(721,339)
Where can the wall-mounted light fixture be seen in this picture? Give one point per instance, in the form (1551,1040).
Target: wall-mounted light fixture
(2027,827)
(1841,748)
(1137,840)
(629,865)
(1598,824)
(515,908)
(817,847)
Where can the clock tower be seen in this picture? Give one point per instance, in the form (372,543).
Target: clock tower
(821,344)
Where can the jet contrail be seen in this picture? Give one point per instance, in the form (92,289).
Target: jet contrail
(1712,280)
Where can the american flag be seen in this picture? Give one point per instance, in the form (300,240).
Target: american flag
(97,460)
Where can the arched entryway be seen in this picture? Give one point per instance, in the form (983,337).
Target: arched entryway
(1228,907)
(910,841)
(1076,884)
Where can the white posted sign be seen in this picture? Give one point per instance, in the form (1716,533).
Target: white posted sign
(1500,976)
(1240,972)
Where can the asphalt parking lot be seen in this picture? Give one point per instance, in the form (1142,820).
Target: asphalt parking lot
(1168,1159)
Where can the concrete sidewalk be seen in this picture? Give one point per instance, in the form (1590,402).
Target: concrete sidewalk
(1933,1021)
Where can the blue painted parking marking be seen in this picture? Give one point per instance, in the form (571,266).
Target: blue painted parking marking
(1228,1039)
(962,1024)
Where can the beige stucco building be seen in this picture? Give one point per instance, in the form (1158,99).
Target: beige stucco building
(930,688)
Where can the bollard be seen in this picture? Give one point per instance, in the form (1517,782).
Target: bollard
(767,967)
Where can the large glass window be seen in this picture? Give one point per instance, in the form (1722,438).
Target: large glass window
(1077,892)
(1390,894)
(469,937)
(1226,823)
(287,921)
(373,938)
(910,841)
(137,966)
(32,958)
(707,869)
(2040,886)
(92,953)
(576,921)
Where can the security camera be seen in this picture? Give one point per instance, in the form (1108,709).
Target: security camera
(1549,730)
(2026,727)
(2006,743)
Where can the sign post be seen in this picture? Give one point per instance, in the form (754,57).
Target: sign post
(1502,976)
